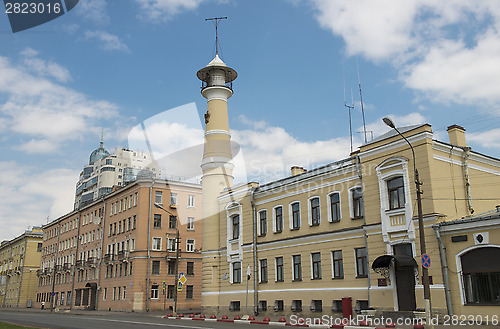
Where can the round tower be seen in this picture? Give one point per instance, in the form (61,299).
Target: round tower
(216,165)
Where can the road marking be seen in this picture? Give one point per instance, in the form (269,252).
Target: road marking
(149,323)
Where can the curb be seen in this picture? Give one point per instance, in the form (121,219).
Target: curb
(272,323)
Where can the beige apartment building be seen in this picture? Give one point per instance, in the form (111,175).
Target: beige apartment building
(119,252)
(19,262)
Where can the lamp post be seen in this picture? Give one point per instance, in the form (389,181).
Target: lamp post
(425,272)
(176,254)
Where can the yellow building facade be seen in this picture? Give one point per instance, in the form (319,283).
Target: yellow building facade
(19,262)
(349,229)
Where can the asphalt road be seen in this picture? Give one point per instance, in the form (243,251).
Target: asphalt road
(122,321)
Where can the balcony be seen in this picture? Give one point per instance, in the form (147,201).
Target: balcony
(90,261)
(228,85)
(58,268)
(80,263)
(39,272)
(107,258)
(67,267)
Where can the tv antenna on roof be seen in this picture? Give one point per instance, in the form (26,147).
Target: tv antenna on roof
(216,21)
(349,108)
(361,100)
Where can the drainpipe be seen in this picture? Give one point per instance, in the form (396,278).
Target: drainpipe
(467,181)
(444,263)
(101,236)
(54,268)
(255,273)
(22,271)
(358,171)
(73,267)
(149,244)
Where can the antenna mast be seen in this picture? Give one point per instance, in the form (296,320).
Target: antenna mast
(216,21)
(361,100)
(349,108)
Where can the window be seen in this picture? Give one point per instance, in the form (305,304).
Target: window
(190,223)
(191,201)
(236,272)
(279,305)
(190,268)
(124,290)
(316,265)
(337,263)
(156,267)
(190,245)
(403,249)
(171,267)
(170,291)
(189,292)
(297,267)
(156,244)
(357,203)
(171,244)
(280,276)
(297,305)
(235,220)
(481,276)
(159,197)
(263,305)
(278,219)
(295,215)
(262,222)
(173,199)
(361,262)
(396,191)
(317,305)
(157,221)
(234,305)
(154,291)
(134,222)
(263,270)
(315,212)
(335,207)
(172,222)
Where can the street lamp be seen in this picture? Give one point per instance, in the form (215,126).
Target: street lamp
(176,253)
(425,272)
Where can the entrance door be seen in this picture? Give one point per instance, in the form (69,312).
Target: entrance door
(405,285)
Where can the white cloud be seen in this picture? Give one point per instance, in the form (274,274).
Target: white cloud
(445,50)
(28,196)
(108,41)
(487,139)
(44,110)
(95,11)
(42,146)
(161,10)
(44,68)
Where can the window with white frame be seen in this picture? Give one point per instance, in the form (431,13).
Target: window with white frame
(159,197)
(263,270)
(235,226)
(314,211)
(173,199)
(297,267)
(191,201)
(295,216)
(190,223)
(190,245)
(396,192)
(278,219)
(171,244)
(156,244)
(262,222)
(361,262)
(154,291)
(280,274)
(316,266)
(334,205)
(236,272)
(357,203)
(337,265)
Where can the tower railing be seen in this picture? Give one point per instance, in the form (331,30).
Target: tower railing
(228,85)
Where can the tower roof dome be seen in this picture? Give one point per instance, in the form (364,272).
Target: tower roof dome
(98,154)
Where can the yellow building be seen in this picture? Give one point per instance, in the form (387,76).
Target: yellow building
(19,262)
(350,229)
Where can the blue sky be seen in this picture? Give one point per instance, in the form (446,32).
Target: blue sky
(112,64)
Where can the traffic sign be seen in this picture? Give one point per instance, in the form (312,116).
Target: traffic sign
(426,261)
(181,281)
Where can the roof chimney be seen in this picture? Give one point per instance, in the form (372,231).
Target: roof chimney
(296,170)
(456,134)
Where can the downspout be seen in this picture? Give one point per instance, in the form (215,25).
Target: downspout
(74,260)
(22,270)
(444,263)
(101,236)
(255,272)
(358,171)
(54,269)
(467,181)
(149,244)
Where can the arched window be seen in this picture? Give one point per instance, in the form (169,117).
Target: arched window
(481,276)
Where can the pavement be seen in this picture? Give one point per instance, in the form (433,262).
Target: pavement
(321,322)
